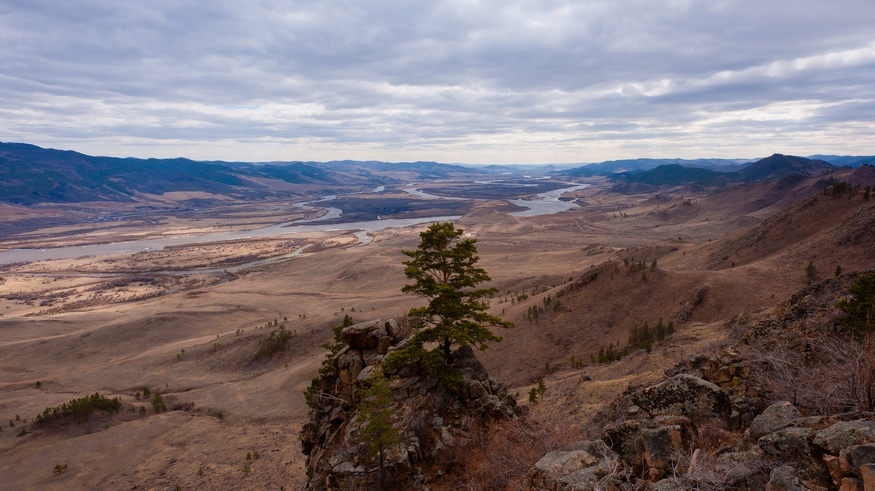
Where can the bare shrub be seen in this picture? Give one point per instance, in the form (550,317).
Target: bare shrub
(856,374)
(404,327)
(500,458)
(701,470)
(832,374)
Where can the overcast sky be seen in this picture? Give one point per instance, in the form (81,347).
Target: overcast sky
(451,81)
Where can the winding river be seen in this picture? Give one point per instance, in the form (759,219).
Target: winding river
(549,203)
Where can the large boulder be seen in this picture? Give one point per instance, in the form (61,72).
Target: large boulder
(844,434)
(684,394)
(853,457)
(669,484)
(777,416)
(660,444)
(783,478)
(365,335)
(579,468)
(559,471)
(787,444)
(624,439)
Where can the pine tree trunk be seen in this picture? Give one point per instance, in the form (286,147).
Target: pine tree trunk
(381,468)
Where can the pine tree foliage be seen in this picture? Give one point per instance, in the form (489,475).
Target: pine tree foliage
(81,409)
(860,308)
(375,413)
(444,271)
(326,370)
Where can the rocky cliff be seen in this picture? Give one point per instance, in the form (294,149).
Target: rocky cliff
(433,423)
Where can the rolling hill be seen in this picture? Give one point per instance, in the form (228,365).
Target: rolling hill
(30,174)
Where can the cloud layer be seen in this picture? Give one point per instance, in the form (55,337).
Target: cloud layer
(454,81)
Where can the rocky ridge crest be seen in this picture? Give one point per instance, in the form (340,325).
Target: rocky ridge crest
(432,421)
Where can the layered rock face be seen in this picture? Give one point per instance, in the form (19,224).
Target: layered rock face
(432,422)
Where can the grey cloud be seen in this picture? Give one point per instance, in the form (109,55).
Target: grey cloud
(433,79)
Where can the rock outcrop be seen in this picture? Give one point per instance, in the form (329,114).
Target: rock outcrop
(432,421)
(723,420)
(684,413)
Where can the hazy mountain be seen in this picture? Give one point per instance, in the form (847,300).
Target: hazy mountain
(775,167)
(846,160)
(673,174)
(617,166)
(30,174)
(778,166)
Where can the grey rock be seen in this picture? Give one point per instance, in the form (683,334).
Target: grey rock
(558,471)
(853,457)
(596,448)
(621,439)
(783,478)
(332,439)
(365,373)
(465,362)
(393,331)
(787,444)
(844,434)
(669,484)
(660,444)
(364,335)
(686,395)
(777,416)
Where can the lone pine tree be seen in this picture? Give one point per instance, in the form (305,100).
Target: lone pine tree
(444,271)
(375,413)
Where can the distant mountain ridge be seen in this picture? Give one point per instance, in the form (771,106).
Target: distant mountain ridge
(777,166)
(628,165)
(845,160)
(30,174)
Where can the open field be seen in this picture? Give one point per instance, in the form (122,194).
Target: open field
(187,321)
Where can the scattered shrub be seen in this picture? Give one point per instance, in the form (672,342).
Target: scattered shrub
(860,308)
(158,404)
(276,341)
(326,370)
(81,409)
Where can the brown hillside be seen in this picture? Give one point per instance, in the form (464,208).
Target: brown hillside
(692,283)
(829,230)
